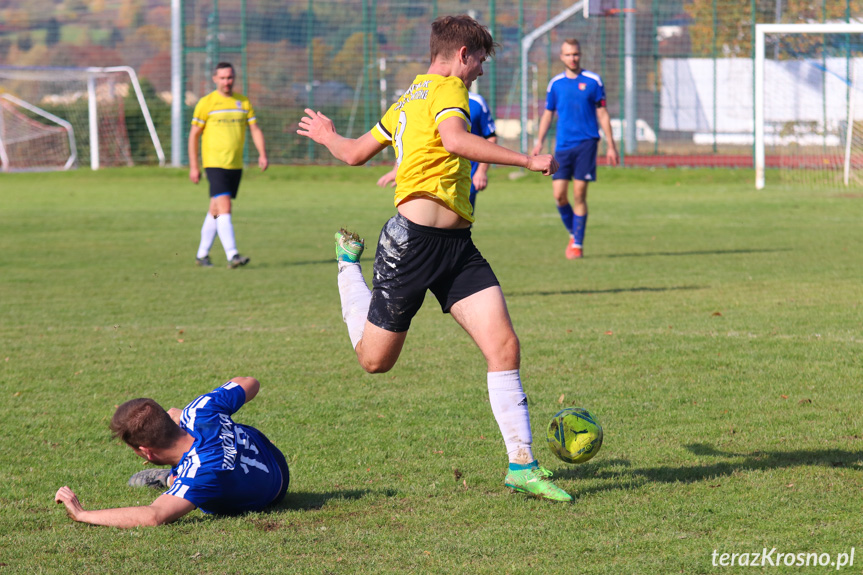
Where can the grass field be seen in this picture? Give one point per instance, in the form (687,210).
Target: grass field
(716,331)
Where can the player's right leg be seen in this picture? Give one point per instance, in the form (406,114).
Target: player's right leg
(208,236)
(560,188)
(377,348)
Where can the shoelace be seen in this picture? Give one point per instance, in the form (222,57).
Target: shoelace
(542,472)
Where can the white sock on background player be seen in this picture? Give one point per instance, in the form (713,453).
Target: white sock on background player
(208,235)
(356,297)
(226,235)
(509,406)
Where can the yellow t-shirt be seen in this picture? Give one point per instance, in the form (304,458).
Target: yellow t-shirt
(224,119)
(410,125)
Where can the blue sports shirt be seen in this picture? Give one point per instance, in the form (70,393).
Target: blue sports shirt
(575,100)
(229,468)
(481,123)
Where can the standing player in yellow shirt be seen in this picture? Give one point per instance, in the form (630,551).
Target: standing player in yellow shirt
(427,245)
(220,121)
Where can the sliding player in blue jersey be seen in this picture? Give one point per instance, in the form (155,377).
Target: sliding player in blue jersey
(217,465)
(578,97)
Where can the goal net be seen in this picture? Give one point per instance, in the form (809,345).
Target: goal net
(93,101)
(33,139)
(809,104)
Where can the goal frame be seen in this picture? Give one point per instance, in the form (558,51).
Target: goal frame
(761,31)
(89,75)
(70,133)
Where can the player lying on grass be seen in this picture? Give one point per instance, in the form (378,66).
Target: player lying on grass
(427,245)
(216,465)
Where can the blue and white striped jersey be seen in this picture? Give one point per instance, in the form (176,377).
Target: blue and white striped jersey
(481,120)
(230,468)
(481,124)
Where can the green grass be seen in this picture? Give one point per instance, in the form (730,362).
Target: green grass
(714,330)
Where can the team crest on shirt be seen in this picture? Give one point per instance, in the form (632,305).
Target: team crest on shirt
(582,86)
(239,105)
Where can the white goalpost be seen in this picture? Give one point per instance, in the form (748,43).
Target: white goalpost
(806,100)
(90,100)
(27,144)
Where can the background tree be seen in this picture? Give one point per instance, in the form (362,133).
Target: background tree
(52,32)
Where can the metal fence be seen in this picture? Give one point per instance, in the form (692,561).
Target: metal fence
(662,62)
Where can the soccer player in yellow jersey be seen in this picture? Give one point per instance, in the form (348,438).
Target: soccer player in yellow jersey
(427,245)
(219,122)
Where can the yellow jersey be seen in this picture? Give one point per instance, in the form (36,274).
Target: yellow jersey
(224,120)
(425,168)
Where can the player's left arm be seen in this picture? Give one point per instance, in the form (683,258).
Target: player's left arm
(457,140)
(354,152)
(260,145)
(165,509)
(249,384)
(604,120)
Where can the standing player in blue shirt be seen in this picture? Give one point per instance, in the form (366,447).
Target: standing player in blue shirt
(578,97)
(481,124)
(217,465)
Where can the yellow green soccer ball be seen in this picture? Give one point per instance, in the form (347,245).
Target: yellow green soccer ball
(574,435)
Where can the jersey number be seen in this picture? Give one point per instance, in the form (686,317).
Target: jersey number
(397,137)
(245,462)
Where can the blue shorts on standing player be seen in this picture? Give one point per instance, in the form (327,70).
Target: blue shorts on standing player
(578,163)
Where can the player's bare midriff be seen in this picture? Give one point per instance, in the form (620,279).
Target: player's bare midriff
(431,212)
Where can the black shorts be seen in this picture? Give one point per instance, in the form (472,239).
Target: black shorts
(412,259)
(223,181)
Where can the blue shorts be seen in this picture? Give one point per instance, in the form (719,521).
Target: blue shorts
(578,163)
(412,259)
(223,181)
(280,461)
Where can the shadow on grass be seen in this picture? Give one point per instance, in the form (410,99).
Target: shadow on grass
(711,467)
(309,501)
(293,501)
(603,291)
(289,263)
(692,253)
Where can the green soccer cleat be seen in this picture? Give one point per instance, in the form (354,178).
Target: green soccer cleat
(534,481)
(157,478)
(349,246)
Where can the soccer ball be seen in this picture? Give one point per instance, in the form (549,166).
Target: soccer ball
(574,435)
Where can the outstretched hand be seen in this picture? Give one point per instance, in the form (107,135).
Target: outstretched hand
(316,126)
(544,163)
(388,179)
(68,498)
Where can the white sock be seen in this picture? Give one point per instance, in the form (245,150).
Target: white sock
(226,235)
(356,297)
(509,405)
(208,234)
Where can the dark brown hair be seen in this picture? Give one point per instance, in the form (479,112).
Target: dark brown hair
(222,65)
(143,422)
(450,33)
